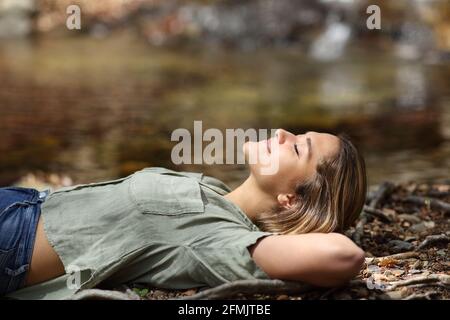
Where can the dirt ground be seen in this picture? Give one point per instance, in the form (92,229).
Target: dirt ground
(404,230)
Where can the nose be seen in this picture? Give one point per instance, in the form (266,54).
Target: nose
(282,135)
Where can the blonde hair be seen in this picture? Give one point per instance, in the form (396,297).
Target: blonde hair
(330,202)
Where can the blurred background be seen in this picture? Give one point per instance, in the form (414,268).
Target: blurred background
(101,102)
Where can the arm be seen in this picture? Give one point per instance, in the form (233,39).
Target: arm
(322,259)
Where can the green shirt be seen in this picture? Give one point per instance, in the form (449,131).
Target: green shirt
(159,227)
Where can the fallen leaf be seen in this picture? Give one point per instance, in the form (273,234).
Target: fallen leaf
(388,262)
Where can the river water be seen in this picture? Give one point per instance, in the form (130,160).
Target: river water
(98,109)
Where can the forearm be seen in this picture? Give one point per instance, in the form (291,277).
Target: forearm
(319,259)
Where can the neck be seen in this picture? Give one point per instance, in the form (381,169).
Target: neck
(251,199)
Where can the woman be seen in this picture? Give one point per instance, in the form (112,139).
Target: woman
(182,230)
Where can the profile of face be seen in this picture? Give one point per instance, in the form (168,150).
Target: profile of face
(295,158)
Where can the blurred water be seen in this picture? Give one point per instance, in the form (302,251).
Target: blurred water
(99,109)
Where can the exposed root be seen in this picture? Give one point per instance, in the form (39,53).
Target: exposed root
(421,296)
(228,290)
(433,239)
(98,294)
(439,279)
(431,203)
(398,256)
(377,214)
(383,190)
(374,201)
(359,229)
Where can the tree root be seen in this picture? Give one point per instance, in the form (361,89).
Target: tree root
(431,203)
(398,256)
(435,279)
(383,190)
(377,214)
(374,201)
(250,287)
(98,294)
(423,285)
(421,296)
(433,239)
(359,229)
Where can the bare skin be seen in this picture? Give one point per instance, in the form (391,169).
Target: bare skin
(320,259)
(269,190)
(45,262)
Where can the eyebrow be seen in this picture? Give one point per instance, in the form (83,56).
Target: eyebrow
(308,142)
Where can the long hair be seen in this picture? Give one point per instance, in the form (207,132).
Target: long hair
(330,202)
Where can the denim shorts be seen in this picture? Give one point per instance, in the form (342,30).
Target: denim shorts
(20,209)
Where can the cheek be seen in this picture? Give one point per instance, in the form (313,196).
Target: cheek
(287,163)
(291,170)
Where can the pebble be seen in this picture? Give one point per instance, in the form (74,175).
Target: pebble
(429,224)
(423,226)
(395,295)
(414,271)
(418,227)
(397,272)
(373,268)
(409,217)
(400,246)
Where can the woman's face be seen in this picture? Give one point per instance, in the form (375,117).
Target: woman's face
(291,158)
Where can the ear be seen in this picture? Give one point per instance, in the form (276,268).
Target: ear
(286,200)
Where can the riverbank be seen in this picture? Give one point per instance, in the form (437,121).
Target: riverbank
(404,230)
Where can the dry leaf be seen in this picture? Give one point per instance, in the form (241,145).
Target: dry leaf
(388,263)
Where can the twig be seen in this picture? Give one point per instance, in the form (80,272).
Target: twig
(377,214)
(432,203)
(438,194)
(417,296)
(383,190)
(433,239)
(398,256)
(439,279)
(98,294)
(374,201)
(423,285)
(250,287)
(359,229)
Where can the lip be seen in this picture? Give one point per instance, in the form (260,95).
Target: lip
(269,145)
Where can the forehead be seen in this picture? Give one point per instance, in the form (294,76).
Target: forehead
(323,145)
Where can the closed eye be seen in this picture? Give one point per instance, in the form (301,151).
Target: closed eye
(296,149)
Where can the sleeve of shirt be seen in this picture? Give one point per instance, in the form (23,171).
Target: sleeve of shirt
(219,264)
